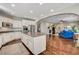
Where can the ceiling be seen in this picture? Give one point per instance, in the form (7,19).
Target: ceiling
(61,18)
(38,11)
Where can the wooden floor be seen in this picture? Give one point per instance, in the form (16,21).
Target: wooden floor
(60,46)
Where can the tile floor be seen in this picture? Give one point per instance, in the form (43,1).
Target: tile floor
(14,48)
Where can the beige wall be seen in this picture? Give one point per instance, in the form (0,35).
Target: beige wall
(60,27)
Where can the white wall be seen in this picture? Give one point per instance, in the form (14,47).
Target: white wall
(44,28)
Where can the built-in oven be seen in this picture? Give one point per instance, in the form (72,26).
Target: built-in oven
(7,24)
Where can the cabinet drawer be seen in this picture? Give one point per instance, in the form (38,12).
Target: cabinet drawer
(0,41)
(31,46)
(31,39)
(25,41)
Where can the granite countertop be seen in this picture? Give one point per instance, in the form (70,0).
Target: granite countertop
(6,30)
(34,34)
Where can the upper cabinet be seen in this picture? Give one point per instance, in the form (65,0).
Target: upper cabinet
(17,24)
(14,23)
(27,22)
(5,21)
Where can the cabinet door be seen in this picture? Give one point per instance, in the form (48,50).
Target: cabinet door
(39,44)
(24,39)
(28,40)
(17,24)
(31,45)
(16,35)
(0,41)
(7,38)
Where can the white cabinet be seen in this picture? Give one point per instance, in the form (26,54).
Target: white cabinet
(16,35)
(35,44)
(24,39)
(31,46)
(1,40)
(17,24)
(39,44)
(28,41)
(7,38)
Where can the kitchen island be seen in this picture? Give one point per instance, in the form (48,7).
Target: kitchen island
(35,42)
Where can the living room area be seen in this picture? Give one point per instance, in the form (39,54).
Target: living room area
(62,35)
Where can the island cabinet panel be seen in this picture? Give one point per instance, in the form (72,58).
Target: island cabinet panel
(17,24)
(35,44)
(1,40)
(39,44)
(28,41)
(24,39)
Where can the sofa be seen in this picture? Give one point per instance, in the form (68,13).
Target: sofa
(66,34)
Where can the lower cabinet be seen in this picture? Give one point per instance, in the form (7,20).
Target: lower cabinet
(24,39)
(6,38)
(35,44)
(16,35)
(0,40)
(28,41)
(39,44)
(31,46)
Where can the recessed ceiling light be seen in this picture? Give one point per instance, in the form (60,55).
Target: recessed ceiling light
(41,3)
(13,5)
(42,15)
(31,11)
(51,10)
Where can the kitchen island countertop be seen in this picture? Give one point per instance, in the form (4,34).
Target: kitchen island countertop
(34,34)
